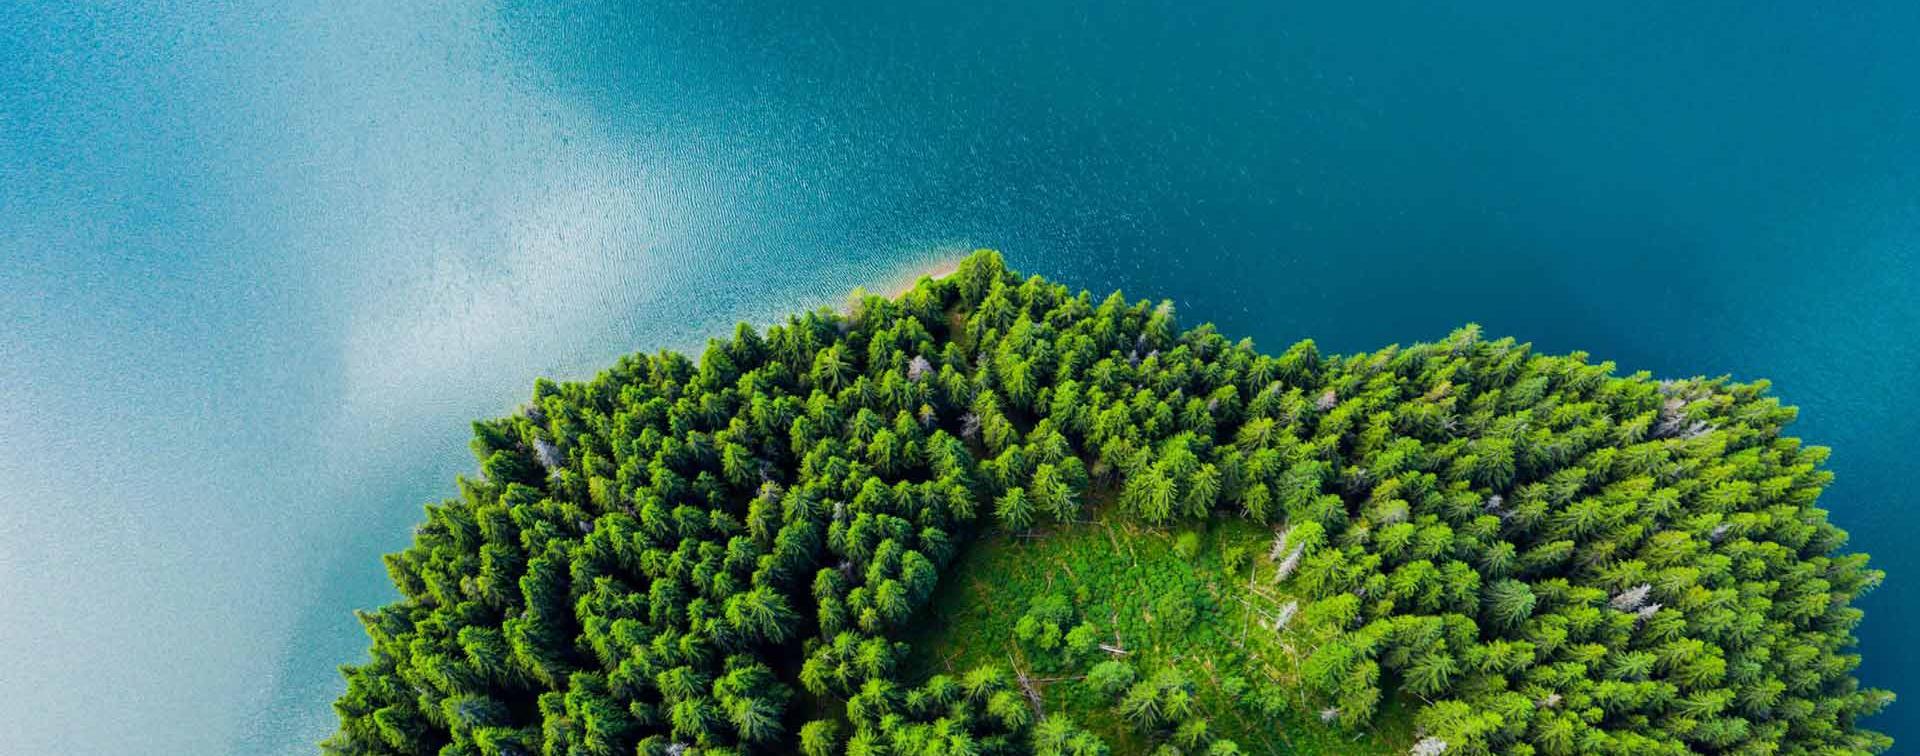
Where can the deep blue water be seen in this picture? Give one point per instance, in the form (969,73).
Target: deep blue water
(260,264)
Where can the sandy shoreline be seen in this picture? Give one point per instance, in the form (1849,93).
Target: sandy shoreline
(898,287)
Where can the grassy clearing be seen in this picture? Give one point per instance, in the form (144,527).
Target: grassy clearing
(1162,596)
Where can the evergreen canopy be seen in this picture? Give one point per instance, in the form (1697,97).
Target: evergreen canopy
(720,557)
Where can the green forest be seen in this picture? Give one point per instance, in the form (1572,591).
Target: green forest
(995,516)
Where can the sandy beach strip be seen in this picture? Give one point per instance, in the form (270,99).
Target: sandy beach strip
(896,288)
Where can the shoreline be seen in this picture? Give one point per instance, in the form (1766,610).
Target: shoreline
(936,269)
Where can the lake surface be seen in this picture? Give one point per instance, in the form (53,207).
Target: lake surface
(260,263)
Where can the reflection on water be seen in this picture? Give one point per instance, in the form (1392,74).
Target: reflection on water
(263,263)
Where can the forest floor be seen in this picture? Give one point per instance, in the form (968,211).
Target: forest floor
(1159,598)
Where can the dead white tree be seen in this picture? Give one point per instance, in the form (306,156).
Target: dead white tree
(1279,543)
(1026,684)
(1285,615)
(1674,422)
(1291,559)
(1632,599)
(546,453)
(1289,564)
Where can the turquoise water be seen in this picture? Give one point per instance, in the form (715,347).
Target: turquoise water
(260,263)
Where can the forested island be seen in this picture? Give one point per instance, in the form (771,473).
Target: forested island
(994,516)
